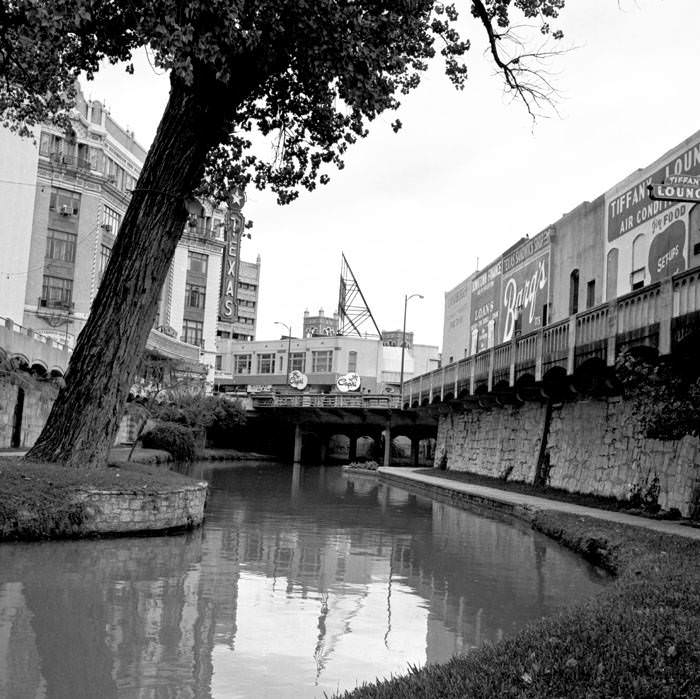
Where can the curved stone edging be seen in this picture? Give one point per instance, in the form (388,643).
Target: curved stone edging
(131,511)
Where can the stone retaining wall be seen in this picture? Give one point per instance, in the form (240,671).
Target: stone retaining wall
(112,511)
(594,447)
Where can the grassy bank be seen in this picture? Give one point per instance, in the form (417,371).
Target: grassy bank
(37,501)
(586,499)
(638,638)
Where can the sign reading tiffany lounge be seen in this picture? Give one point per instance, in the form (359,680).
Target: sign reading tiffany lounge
(677,188)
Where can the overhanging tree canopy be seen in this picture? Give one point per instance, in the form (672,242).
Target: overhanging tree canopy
(310,73)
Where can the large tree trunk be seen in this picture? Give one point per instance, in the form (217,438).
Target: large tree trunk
(85,416)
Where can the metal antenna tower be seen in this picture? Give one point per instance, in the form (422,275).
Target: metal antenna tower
(352,306)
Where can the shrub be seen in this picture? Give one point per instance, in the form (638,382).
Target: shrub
(229,419)
(176,439)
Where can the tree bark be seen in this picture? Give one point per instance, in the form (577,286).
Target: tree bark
(84,419)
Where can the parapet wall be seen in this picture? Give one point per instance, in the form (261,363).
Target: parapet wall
(111,511)
(593,446)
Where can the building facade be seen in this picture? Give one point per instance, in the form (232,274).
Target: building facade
(62,201)
(265,365)
(601,250)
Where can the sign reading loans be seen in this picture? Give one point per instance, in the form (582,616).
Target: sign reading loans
(298,380)
(348,382)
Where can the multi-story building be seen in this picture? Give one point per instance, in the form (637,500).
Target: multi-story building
(322,359)
(62,201)
(601,250)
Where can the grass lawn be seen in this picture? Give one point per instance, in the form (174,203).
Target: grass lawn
(639,638)
(37,500)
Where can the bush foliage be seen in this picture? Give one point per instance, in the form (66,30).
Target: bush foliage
(666,399)
(177,440)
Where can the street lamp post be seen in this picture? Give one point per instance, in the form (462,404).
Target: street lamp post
(406,299)
(289,343)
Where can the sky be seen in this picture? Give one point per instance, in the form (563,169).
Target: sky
(470,172)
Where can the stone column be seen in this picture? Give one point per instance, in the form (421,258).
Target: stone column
(387,443)
(415,448)
(297,444)
(352,448)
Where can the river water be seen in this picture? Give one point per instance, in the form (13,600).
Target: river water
(302,581)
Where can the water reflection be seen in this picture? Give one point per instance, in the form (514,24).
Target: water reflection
(302,581)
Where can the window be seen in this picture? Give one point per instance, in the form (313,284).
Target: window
(266,363)
(195,295)
(352,361)
(192,331)
(111,220)
(638,275)
(64,202)
(297,361)
(637,279)
(197,262)
(218,362)
(322,361)
(56,292)
(61,246)
(590,294)
(573,293)
(247,287)
(245,321)
(105,253)
(241,364)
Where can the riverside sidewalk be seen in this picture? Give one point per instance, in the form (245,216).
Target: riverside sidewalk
(521,505)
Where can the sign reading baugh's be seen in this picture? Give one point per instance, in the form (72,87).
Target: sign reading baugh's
(525,286)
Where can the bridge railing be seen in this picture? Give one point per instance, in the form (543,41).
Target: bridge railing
(644,315)
(326,400)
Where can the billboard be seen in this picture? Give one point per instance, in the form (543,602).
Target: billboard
(485,297)
(524,287)
(455,339)
(647,239)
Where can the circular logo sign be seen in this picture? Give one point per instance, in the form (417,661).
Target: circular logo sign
(348,382)
(298,380)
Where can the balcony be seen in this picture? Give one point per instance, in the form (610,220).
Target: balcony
(62,306)
(70,162)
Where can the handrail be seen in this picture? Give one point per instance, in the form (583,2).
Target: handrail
(556,344)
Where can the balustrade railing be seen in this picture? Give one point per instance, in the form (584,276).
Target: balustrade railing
(650,307)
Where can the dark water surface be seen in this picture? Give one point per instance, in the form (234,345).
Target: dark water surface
(300,582)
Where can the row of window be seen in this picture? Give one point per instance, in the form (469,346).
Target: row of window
(84,156)
(56,292)
(195,296)
(321,362)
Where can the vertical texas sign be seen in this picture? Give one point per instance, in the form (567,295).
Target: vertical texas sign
(647,240)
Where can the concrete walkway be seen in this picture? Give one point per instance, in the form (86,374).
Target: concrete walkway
(508,500)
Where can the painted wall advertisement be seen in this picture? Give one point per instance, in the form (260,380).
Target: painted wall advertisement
(524,287)
(486,291)
(647,240)
(455,340)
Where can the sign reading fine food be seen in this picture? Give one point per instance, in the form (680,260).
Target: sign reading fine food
(348,382)
(676,192)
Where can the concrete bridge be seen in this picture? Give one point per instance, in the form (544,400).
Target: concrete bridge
(322,416)
(576,354)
